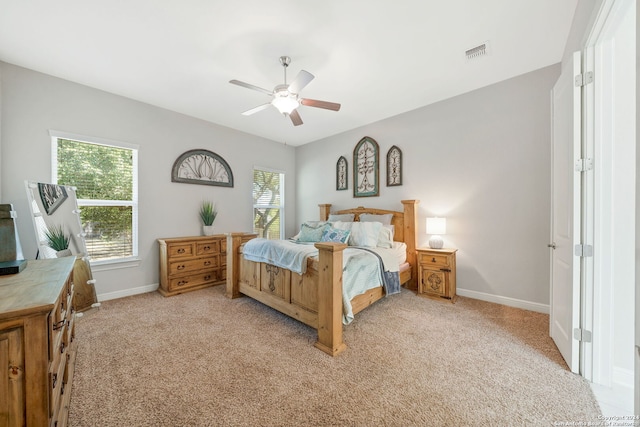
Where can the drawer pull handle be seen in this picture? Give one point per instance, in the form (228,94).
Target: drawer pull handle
(182,282)
(445,269)
(180,251)
(433,259)
(55,381)
(207,263)
(181,267)
(59,325)
(62,348)
(207,248)
(207,277)
(14,371)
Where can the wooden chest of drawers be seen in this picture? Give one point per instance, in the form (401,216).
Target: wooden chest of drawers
(190,263)
(437,273)
(37,329)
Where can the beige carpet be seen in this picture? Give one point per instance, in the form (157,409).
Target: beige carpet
(200,359)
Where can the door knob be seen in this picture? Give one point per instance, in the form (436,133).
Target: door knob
(551,245)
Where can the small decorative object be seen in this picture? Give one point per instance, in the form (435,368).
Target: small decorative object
(436,227)
(57,240)
(202,167)
(342,174)
(52,196)
(208,214)
(394,167)
(11,261)
(365,168)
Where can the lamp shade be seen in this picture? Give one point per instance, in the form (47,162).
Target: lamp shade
(436,226)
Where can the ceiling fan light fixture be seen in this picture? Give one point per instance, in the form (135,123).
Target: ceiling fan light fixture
(285,103)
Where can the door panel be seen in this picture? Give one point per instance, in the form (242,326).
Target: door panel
(565,216)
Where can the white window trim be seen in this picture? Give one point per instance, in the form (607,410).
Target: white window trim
(132,261)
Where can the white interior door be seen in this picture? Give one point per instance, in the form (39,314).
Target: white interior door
(565,216)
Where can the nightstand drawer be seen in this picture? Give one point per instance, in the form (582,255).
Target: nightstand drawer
(431,259)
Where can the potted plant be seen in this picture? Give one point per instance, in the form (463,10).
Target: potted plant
(208,214)
(57,240)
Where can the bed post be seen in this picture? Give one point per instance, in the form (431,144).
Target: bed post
(330,298)
(234,241)
(325,210)
(410,237)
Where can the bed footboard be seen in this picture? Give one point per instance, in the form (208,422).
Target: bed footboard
(314,298)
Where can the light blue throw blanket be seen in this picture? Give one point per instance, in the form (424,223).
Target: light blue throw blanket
(281,253)
(362,268)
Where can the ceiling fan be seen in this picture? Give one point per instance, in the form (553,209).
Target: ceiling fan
(286,97)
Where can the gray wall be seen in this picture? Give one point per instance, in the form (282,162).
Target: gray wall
(33,103)
(482,160)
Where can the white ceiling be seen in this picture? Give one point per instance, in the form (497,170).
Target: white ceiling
(378,58)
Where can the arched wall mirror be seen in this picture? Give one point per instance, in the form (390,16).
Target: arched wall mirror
(55,213)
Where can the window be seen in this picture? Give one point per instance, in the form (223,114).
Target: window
(105,176)
(268,203)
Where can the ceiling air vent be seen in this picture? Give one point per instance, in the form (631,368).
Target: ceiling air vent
(478,51)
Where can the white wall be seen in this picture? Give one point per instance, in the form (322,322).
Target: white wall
(482,160)
(33,103)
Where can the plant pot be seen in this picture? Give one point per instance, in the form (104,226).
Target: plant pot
(63,253)
(207,230)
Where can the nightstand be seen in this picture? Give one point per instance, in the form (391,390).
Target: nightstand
(437,273)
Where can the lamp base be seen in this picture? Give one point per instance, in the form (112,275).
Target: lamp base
(436,242)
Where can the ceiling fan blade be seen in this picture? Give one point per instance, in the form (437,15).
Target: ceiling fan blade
(295,118)
(302,79)
(249,86)
(256,109)
(320,104)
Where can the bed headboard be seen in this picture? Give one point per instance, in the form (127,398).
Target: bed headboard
(405,224)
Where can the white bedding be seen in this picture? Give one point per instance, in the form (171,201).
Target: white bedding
(361,269)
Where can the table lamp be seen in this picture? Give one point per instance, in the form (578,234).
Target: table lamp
(436,227)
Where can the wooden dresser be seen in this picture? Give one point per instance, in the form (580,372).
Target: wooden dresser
(190,263)
(37,343)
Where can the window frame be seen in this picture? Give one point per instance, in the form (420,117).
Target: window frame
(280,207)
(107,264)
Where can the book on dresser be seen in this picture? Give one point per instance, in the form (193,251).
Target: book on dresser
(191,263)
(37,343)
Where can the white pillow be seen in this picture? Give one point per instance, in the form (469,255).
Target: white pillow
(385,238)
(365,234)
(385,219)
(341,217)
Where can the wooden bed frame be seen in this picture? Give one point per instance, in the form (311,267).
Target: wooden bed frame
(315,297)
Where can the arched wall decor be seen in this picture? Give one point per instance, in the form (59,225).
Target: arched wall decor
(394,166)
(365,168)
(202,167)
(342,174)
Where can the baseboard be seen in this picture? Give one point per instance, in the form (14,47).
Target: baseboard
(128,292)
(623,377)
(511,302)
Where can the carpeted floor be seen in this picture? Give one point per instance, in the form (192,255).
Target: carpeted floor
(200,359)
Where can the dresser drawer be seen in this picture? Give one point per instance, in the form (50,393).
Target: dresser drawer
(191,280)
(187,265)
(436,260)
(207,248)
(176,250)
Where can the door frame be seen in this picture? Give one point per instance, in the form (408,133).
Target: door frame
(602,272)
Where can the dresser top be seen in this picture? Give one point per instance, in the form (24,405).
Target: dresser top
(192,238)
(36,288)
